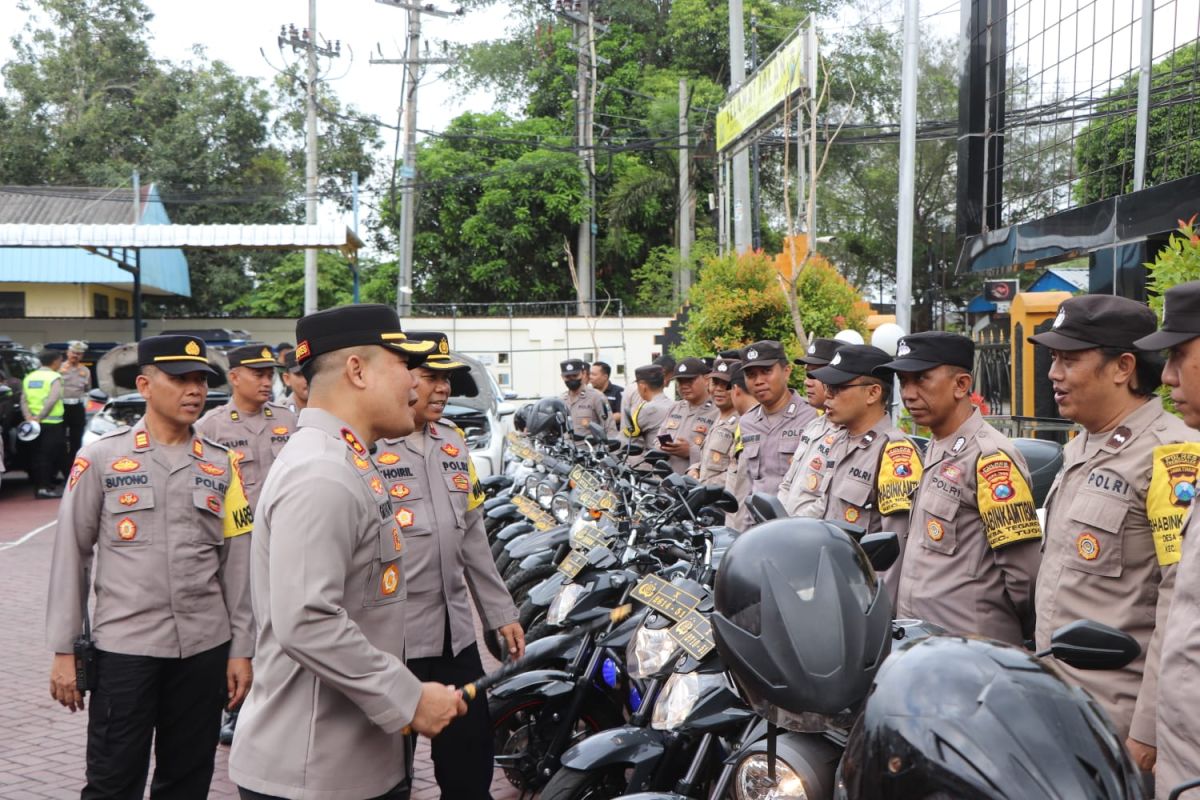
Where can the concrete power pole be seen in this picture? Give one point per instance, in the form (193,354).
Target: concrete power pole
(908,153)
(741,158)
(685,197)
(412,62)
(583,131)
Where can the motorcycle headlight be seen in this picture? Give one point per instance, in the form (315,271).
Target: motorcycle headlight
(545,493)
(564,601)
(679,697)
(560,507)
(531,483)
(648,652)
(752,780)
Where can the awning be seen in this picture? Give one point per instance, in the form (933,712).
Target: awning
(250,237)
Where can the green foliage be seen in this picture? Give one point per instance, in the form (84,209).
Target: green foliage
(1104,149)
(280,291)
(1178,262)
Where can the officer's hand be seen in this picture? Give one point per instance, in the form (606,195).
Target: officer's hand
(1144,755)
(676,447)
(514,637)
(438,706)
(62,682)
(238,677)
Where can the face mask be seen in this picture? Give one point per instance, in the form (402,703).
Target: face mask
(574,385)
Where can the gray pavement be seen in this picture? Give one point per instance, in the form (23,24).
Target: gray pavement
(41,743)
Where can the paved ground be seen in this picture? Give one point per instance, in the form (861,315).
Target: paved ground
(42,744)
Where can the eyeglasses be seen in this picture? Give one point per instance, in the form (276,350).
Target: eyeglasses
(838,389)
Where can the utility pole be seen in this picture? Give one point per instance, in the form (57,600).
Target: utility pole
(908,152)
(413,62)
(305,41)
(685,198)
(741,159)
(755,198)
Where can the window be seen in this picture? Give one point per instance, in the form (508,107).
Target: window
(12,304)
(501,358)
(100,306)
(122,307)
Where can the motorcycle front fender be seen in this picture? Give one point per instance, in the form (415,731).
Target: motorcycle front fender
(544,683)
(638,748)
(537,560)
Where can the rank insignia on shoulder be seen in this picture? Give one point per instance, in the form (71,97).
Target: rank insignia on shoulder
(1119,437)
(959,444)
(197,448)
(791,409)
(267,412)
(387,458)
(450,450)
(349,438)
(141,440)
(362,463)
(212,469)
(125,464)
(77,469)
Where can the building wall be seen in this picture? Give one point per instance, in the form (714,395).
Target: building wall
(522,353)
(65,299)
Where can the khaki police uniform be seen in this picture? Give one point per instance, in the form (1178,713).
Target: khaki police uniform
(1178,724)
(645,419)
(586,406)
(77,382)
(770,441)
(255,439)
(804,487)
(1110,509)
(691,423)
(971,560)
(331,694)
(717,457)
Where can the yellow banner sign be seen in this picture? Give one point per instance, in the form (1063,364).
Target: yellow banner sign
(780,76)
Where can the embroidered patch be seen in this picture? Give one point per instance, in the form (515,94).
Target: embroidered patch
(399,491)
(279,430)
(212,469)
(197,448)
(349,438)
(303,351)
(376,485)
(397,540)
(1088,546)
(852,514)
(128,499)
(362,463)
(127,529)
(141,440)
(77,469)
(1119,437)
(125,464)
(951,472)
(390,581)
(387,459)
(935,530)
(214,505)
(461,482)
(450,450)
(405,517)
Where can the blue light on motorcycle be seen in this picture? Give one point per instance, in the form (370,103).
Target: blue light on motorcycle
(635,698)
(610,673)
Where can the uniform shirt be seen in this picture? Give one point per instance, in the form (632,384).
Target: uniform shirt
(736,482)
(769,443)
(77,382)
(644,420)
(172,564)
(255,439)
(871,485)
(613,393)
(436,500)
(331,694)
(969,577)
(690,423)
(1100,561)
(716,458)
(1178,737)
(805,485)
(587,406)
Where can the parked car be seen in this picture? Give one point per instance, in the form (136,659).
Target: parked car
(479,407)
(15,362)
(128,408)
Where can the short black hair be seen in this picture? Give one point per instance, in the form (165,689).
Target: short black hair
(48,357)
(654,383)
(284,346)
(605,368)
(1148,368)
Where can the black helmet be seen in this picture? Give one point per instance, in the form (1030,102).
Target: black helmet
(548,418)
(969,718)
(801,621)
(521,417)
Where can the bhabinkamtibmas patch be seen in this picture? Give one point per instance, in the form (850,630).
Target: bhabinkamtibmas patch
(1172,488)
(899,473)
(1005,502)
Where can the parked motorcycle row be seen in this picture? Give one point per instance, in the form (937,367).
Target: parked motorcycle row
(757,666)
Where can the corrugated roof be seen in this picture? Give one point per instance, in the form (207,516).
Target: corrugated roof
(55,205)
(291,237)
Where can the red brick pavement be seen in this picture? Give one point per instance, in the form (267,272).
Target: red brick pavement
(42,744)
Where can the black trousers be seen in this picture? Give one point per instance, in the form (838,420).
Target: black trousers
(176,702)
(46,458)
(74,420)
(463,751)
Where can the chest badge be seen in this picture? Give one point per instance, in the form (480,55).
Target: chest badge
(376,485)
(361,463)
(279,430)
(211,469)
(405,517)
(397,540)
(390,581)
(935,530)
(1088,546)
(126,464)
(399,491)
(127,529)
(852,514)
(460,482)
(387,459)
(450,450)
(952,472)
(214,505)
(128,499)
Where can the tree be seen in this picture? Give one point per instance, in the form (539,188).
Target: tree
(280,291)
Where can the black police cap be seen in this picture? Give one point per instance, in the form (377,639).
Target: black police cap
(439,358)
(352,326)
(819,352)
(1097,320)
(690,368)
(918,352)
(853,361)
(763,353)
(723,369)
(731,355)
(175,355)
(572,365)
(289,361)
(1181,318)
(255,356)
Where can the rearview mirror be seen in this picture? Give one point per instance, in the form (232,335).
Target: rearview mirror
(597,430)
(657,455)
(1086,644)
(764,506)
(662,469)
(98,395)
(882,549)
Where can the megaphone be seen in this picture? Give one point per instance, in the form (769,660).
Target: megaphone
(28,431)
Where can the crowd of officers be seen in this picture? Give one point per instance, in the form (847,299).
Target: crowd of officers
(350,591)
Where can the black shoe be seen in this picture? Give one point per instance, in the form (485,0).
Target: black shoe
(226,736)
(47,494)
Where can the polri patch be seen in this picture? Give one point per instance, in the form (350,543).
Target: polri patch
(126,464)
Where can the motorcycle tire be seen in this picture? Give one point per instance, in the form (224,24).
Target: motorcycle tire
(517,732)
(520,584)
(498,551)
(540,630)
(575,784)
(508,566)
(530,615)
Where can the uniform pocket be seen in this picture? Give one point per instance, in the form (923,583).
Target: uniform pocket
(852,492)
(1095,529)
(940,514)
(210,508)
(129,514)
(385,583)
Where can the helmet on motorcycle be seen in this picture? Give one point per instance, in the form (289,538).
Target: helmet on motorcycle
(968,718)
(548,417)
(801,622)
(521,417)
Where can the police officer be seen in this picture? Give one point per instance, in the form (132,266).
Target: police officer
(77,382)
(600,376)
(1178,726)
(1115,506)
(803,489)
(585,404)
(41,402)
(971,560)
(333,696)
(648,414)
(165,512)
(436,501)
(689,418)
(717,455)
(770,432)
(250,425)
(297,384)
(875,468)
(253,428)
(736,482)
